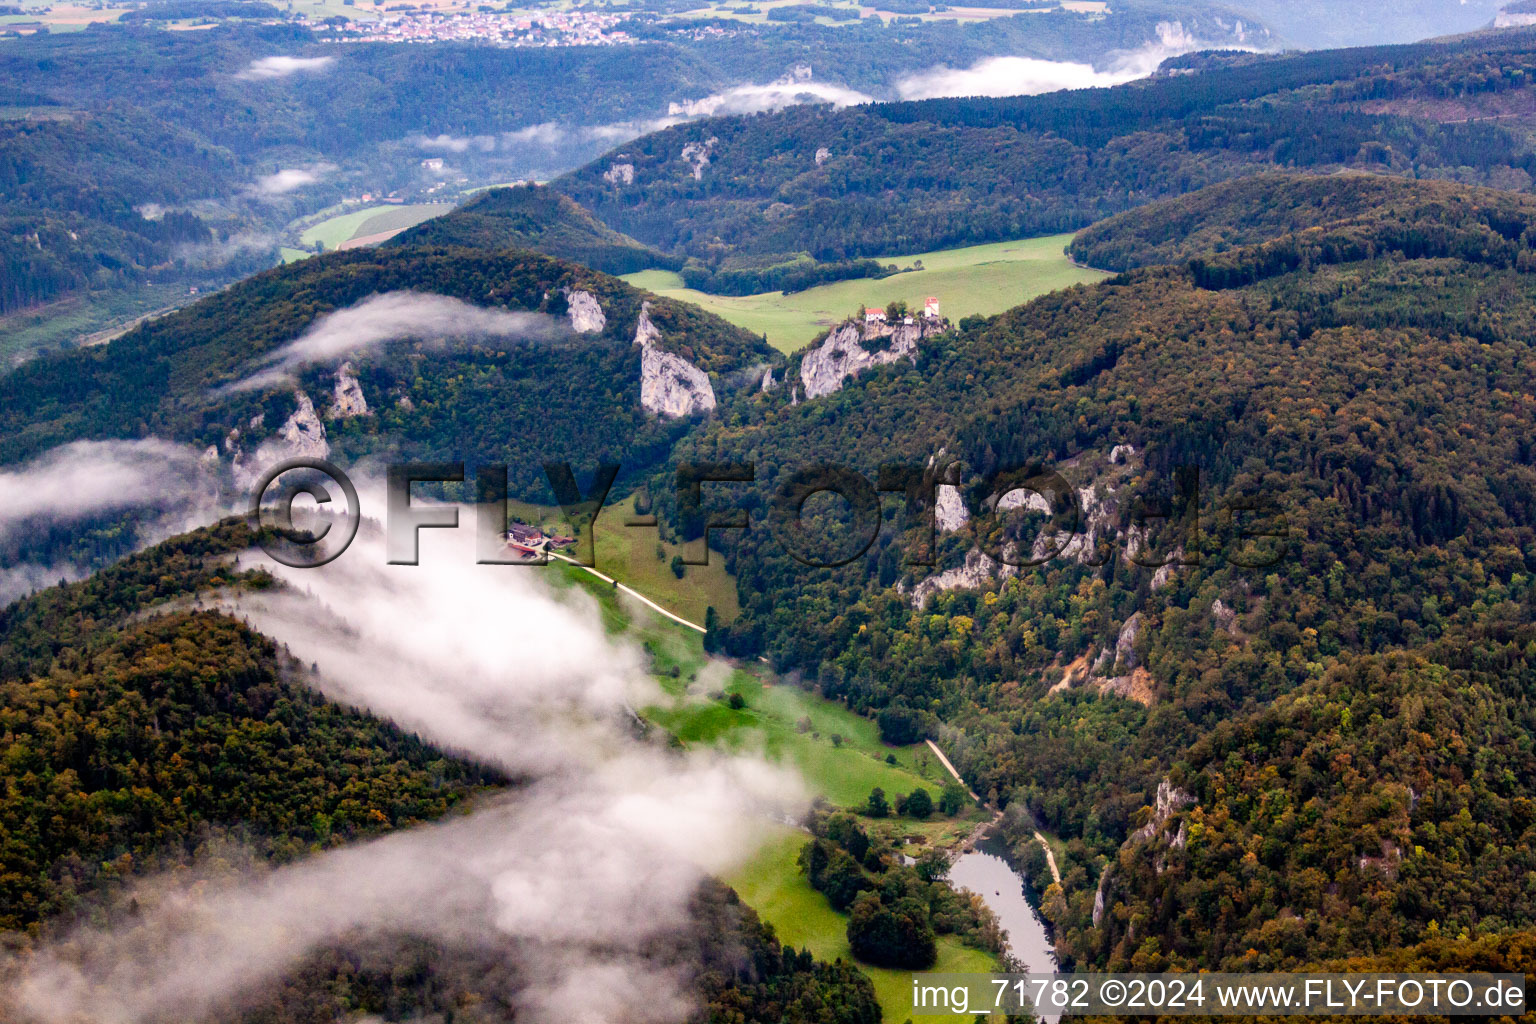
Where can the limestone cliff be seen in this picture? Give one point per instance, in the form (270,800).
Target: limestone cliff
(670,386)
(853,348)
(586,315)
(302,435)
(347,399)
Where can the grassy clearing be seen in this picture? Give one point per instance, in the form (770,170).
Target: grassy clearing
(771,884)
(824,741)
(628,554)
(978,279)
(332,231)
(795,727)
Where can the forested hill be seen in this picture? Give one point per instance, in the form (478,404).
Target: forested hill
(1311,744)
(910,177)
(1327,213)
(144,735)
(538,218)
(502,400)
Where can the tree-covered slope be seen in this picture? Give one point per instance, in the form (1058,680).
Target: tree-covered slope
(576,397)
(538,218)
(130,743)
(143,734)
(910,177)
(1322,210)
(1338,717)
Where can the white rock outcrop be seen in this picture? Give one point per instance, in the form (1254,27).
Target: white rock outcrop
(1024,498)
(302,435)
(696,155)
(823,155)
(586,315)
(848,351)
(1164,574)
(977,570)
(949,511)
(1226,617)
(1125,643)
(1170,799)
(620,174)
(670,386)
(347,398)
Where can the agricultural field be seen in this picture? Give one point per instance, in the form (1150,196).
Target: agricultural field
(368,225)
(978,279)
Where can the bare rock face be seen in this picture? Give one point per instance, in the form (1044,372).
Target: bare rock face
(1125,643)
(302,435)
(977,570)
(620,174)
(853,348)
(768,381)
(1164,574)
(1023,498)
(347,400)
(1226,617)
(1099,901)
(586,315)
(696,155)
(670,386)
(949,512)
(823,155)
(1170,799)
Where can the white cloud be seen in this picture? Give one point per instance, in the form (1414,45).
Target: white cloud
(584,869)
(290,178)
(282,67)
(394,316)
(84,478)
(168,485)
(1029,76)
(752,99)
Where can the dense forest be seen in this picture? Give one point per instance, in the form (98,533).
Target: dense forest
(1330,216)
(910,177)
(537,218)
(141,733)
(517,401)
(1311,738)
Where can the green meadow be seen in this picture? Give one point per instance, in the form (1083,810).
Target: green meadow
(836,752)
(630,555)
(772,885)
(978,279)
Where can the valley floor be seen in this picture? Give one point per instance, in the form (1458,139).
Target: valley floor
(836,752)
(978,279)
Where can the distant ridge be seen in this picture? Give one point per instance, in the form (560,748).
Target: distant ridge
(538,218)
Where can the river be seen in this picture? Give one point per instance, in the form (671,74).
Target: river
(985,871)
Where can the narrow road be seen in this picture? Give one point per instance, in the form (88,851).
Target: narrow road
(951,768)
(632,592)
(1050,857)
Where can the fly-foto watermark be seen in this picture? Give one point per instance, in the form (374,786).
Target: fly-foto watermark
(271,513)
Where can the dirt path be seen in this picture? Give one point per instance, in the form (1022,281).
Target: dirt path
(632,592)
(980,830)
